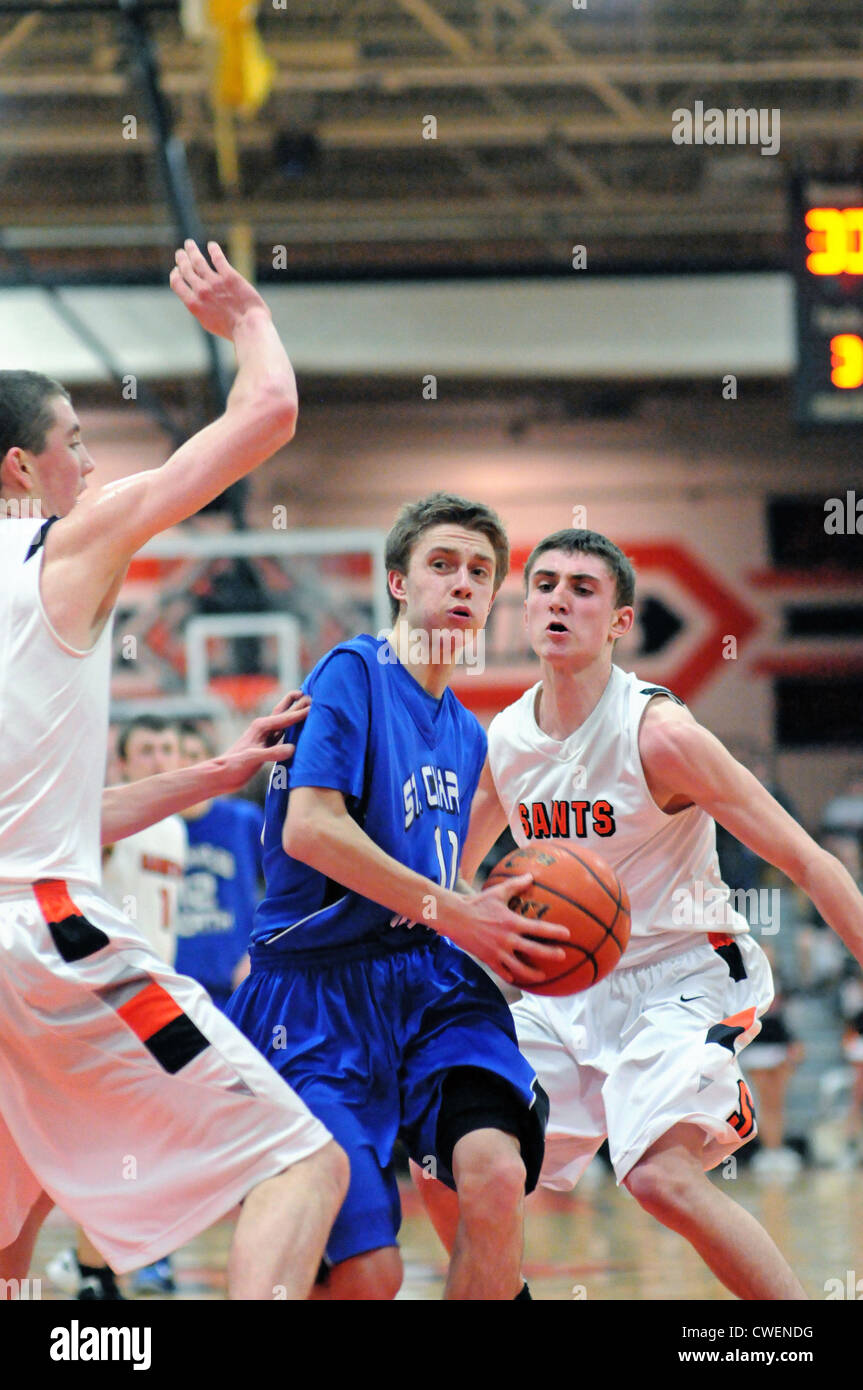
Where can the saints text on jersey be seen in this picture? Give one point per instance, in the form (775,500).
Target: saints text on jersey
(564,820)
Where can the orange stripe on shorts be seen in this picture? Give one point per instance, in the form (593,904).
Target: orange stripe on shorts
(52,895)
(744,1019)
(149,1010)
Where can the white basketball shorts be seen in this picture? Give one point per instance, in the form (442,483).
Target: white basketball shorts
(647,1048)
(124,1093)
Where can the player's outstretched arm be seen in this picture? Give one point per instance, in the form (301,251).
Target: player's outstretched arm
(487,823)
(131,807)
(319,831)
(261,411)
(685,763)
(91,546)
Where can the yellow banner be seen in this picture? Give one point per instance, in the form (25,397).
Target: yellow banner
(244,73)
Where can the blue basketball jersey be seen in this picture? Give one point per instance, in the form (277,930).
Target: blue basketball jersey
(219,892)
(407,765)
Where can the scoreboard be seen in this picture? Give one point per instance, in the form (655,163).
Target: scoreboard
(827,252)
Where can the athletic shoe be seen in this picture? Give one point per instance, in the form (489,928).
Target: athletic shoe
(63,1272)
(155,1278)
(92,1286)
(851,1156)
(776,1163)
(99,1288)
(592,1177)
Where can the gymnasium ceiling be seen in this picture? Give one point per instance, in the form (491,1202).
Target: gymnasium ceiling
(553,129)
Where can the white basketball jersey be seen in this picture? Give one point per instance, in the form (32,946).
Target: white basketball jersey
(590,789)
(53,727)
(142,877)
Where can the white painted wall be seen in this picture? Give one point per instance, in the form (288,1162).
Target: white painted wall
(650,327)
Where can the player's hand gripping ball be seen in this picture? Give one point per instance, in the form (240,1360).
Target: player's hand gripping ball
(578,889)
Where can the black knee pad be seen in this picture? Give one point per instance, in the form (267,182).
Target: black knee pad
(473,1098)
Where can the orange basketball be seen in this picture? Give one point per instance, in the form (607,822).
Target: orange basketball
(577,889)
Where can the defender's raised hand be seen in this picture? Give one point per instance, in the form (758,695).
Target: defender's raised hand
(261,742)
(216,294)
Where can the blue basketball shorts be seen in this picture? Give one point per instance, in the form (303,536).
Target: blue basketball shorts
(367,1040)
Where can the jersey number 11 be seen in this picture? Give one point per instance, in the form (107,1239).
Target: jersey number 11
(447,880)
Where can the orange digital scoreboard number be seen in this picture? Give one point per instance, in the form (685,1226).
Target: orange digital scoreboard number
(827,218)
(834,241)
(846,361)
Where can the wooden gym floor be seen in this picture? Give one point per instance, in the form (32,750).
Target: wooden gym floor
(594,1244)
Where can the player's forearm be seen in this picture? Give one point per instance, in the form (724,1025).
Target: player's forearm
(263,365)
(487,823)
(836,898)
(131,807)
(338,847)
(478,844)
(222,453)
(260,417)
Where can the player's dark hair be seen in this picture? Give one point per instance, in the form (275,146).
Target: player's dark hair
(153,723)
(574,541)
(26,413)
(190,728)
(439,509)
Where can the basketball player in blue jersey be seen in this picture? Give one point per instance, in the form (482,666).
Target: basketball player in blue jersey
(649,1056)
(359,993)
(220,890)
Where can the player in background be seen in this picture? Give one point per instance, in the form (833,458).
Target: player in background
(221,885)
(382,1024)
(649,1056)
(141,877)
(105,1052)
(142,874)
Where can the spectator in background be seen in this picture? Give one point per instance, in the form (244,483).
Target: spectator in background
(142,875)
(842,817)
(842,834)
(770,1064)
(851,1003)
(221,886)
(841,826)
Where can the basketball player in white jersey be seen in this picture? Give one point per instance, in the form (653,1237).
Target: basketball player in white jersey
(648,1057)
(125,1096)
